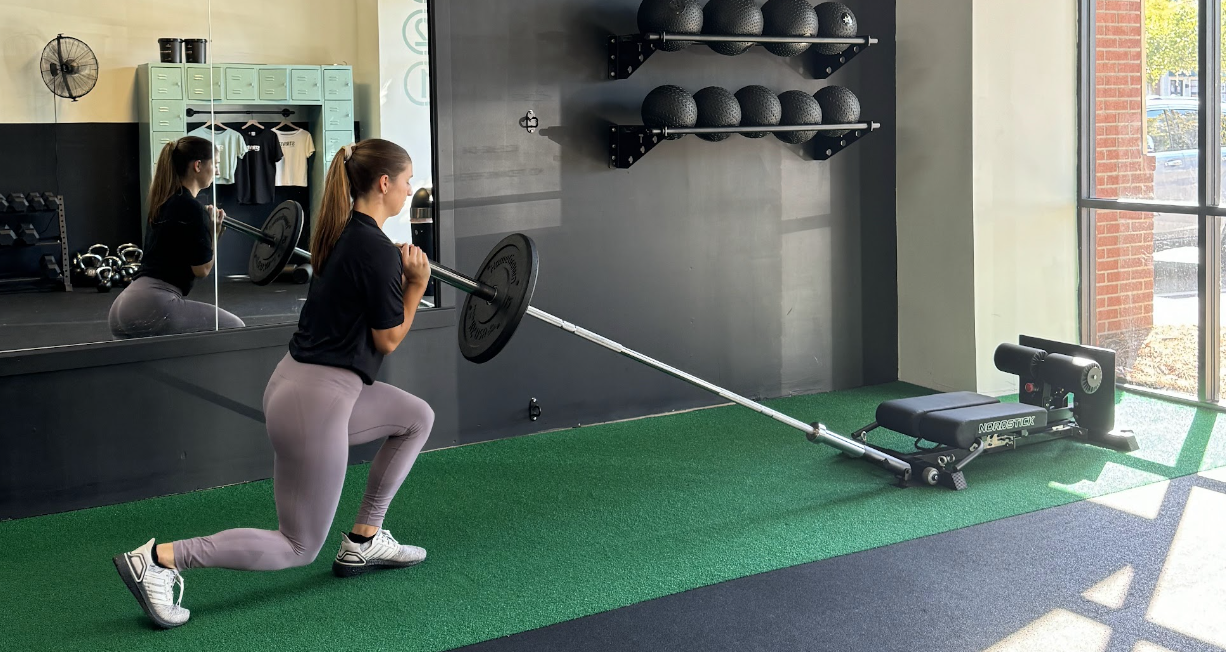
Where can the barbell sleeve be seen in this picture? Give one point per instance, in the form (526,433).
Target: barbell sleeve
(245,228)
(816,433)
(463,283)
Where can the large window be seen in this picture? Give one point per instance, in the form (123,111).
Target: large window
(1151,162)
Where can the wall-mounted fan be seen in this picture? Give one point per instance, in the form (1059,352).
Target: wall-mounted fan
(69,67)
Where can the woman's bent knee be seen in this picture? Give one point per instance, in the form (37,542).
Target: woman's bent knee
(227,320)
(303,556)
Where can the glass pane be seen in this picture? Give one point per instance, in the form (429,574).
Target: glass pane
(267,142)
(404,118)
(86,113)
(1222,130)
(1147,308)
(1146,87)
(383,92)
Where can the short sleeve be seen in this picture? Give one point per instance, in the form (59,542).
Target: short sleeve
(384,293)
(237,142)
(310,144)
(199,241)
(276,152)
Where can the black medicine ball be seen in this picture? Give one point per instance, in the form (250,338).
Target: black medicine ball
(670,106)
(759,108)
(671,17)
(732,18)
(717,107)
(839,106)
(788,18)
(799,108)
(835,20)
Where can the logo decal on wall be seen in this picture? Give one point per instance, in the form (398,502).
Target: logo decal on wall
(416,32)
(417,84)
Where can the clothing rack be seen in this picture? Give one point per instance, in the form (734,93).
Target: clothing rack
(284,113)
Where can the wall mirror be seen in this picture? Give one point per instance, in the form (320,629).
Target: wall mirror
(357,71)
(92,97)
(79,80)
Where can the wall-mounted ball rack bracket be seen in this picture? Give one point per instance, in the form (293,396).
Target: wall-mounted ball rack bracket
(628,144)
(627,53)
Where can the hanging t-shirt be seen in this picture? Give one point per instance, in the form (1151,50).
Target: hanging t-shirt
(296,146)
(229,147)
(257,171)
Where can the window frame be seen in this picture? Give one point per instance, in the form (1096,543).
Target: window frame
(1208,208)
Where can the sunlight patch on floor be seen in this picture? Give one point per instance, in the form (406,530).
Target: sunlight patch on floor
(1190,597)
(1113,591)
(1058,630)
(1114,478)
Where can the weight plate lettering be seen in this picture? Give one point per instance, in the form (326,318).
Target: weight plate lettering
(487,326)
(268,259)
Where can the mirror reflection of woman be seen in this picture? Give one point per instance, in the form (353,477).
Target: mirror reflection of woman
(323,398)
(179,249)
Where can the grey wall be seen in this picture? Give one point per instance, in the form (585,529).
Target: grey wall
(743,262)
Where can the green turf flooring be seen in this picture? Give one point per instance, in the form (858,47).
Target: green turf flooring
(532,531)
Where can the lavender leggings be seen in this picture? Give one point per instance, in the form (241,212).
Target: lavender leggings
(314,414)
(150,307)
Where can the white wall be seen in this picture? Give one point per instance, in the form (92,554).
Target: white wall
(125,33)
(122,33)
(987,176)
(936,249)
(1025,162)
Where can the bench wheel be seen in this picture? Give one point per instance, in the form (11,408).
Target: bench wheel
(931,476)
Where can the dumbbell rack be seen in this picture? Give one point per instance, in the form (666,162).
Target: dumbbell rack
(61,239)
(627,53)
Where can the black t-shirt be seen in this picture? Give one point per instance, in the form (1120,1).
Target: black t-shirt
(177,240)
(255,177)
(359,290)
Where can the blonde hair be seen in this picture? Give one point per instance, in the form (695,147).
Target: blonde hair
(172,165)
(353,172)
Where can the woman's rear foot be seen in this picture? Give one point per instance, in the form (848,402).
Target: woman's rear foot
(153,586)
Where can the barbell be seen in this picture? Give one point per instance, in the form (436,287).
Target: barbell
(497,300)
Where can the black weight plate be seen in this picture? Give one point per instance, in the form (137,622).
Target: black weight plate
(486,327)
(268,259)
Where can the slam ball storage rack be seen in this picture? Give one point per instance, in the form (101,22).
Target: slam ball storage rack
(627,53)
(630,51)
(630,143)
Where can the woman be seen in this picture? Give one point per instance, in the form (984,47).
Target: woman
(178,250)
(322,398)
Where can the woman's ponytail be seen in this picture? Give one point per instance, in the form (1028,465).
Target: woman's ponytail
(333,212)
(165,182)
(171,166)
(354,170)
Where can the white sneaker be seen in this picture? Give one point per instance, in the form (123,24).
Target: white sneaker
(153,586)
(383,551)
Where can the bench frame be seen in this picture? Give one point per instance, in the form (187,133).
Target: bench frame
(1089,418)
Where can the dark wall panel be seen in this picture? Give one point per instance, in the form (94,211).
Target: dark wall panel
(745,262)
(109,434)
(93,165)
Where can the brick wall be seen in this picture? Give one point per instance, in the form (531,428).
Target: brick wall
(1125,240)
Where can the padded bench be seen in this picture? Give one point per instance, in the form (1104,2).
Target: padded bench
(957,419)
